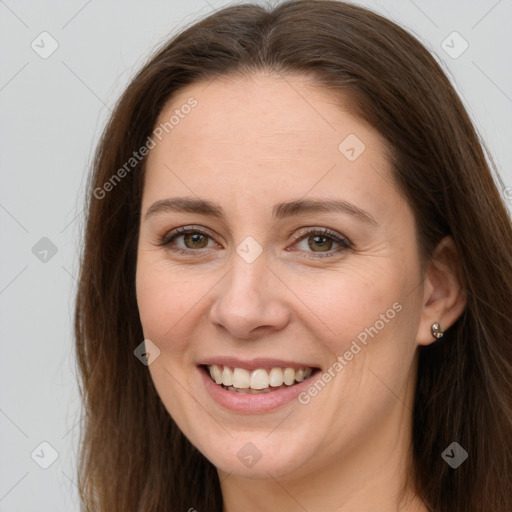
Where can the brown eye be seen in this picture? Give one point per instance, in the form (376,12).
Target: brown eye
(322,243)
(193,240)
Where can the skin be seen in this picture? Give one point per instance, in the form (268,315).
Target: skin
(250,143)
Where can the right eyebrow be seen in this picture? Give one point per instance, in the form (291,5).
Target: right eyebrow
(187,205)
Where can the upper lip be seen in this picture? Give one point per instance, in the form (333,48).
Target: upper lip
(253,364)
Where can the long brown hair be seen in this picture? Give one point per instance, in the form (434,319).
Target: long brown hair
(133,457)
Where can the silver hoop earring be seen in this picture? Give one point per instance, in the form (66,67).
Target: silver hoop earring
(437,332)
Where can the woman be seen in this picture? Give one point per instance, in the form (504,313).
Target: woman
(292,209)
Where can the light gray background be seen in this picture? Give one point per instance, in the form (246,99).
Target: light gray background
(51,114)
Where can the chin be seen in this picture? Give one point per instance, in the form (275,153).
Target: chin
(258,455)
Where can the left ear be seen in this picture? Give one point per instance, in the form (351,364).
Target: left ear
(444,298)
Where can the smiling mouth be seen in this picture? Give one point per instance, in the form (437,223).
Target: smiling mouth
(257,381)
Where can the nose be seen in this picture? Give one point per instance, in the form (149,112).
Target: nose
(250,300)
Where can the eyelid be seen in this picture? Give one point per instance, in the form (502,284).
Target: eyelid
(312,230)
(183,230)
(343,242)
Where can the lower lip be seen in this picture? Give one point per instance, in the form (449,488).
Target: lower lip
(252,404)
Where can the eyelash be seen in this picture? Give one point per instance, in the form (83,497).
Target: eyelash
(324,232)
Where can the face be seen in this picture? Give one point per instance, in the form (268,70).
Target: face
(272,236)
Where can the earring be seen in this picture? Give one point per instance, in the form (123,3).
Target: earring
(437,332)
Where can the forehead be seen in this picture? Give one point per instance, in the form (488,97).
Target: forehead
(261,109)
(269,135)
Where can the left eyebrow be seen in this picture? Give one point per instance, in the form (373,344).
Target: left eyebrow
(279,211)
(283,210)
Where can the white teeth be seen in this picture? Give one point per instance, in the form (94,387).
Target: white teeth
(227,376)
(289,376)
(216,373)
(241,378)
(259,379)
(275,377)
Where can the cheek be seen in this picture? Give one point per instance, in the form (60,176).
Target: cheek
(153,300)
(170,302)
(162,301)
(368,320)
(368,316)
(166,309)
(346,303)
